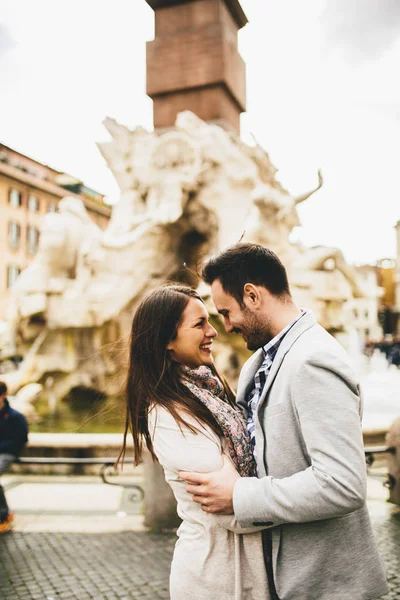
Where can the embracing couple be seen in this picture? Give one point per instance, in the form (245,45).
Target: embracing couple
(270,485)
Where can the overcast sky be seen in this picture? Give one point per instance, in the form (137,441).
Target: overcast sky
(323,90)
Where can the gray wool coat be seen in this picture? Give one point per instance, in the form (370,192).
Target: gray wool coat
(311,489)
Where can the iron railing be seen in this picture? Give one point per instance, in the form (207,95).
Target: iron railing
(108,466)
(107,469)
(388,480)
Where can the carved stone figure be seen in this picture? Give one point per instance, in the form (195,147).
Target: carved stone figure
(65,238)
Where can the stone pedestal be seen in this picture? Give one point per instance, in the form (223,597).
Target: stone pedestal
(194,64)
(159,501)
(393,440)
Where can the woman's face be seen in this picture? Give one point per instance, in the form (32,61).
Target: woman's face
(192,345)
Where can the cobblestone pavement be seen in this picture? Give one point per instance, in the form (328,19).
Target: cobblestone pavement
(121,565)
(73,566)
(81,555)
(387,531)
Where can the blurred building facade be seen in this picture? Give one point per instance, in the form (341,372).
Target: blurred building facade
(28,190)
(397,276)
(365,311)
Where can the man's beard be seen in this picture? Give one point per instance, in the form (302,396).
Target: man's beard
(256,331)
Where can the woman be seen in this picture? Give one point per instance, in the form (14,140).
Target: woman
(186,415)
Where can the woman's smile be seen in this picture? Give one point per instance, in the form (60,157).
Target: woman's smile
(207,347)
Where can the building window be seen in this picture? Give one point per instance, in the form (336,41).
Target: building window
(33,203)
(14,198)
(52,207)
(12,273)
(32,239)
(14,235)
(355,313)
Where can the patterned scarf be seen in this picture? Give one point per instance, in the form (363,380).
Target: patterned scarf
(210,391)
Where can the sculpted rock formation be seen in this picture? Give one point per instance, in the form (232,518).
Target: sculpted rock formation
(185,193)
(274,215)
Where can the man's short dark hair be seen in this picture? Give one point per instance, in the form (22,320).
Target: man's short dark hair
(3,388)
(247,263)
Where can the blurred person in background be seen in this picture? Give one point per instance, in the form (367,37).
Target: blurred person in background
(13,437)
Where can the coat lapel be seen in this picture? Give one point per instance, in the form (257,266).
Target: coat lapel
(304,323)
(246,381)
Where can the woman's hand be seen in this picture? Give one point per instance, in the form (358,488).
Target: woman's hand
(214,491)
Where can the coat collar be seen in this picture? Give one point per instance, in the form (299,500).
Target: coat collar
(305,322)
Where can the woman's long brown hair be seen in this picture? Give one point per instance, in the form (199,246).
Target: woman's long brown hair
(153,378)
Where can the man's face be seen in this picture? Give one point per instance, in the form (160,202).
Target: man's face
(254,328)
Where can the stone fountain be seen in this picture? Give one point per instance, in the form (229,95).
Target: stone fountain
(185,193)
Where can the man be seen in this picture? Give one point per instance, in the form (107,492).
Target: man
(303,408)
(13,437)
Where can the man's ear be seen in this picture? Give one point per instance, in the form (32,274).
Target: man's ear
(252,295)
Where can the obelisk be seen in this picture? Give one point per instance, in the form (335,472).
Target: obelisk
(194,63)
